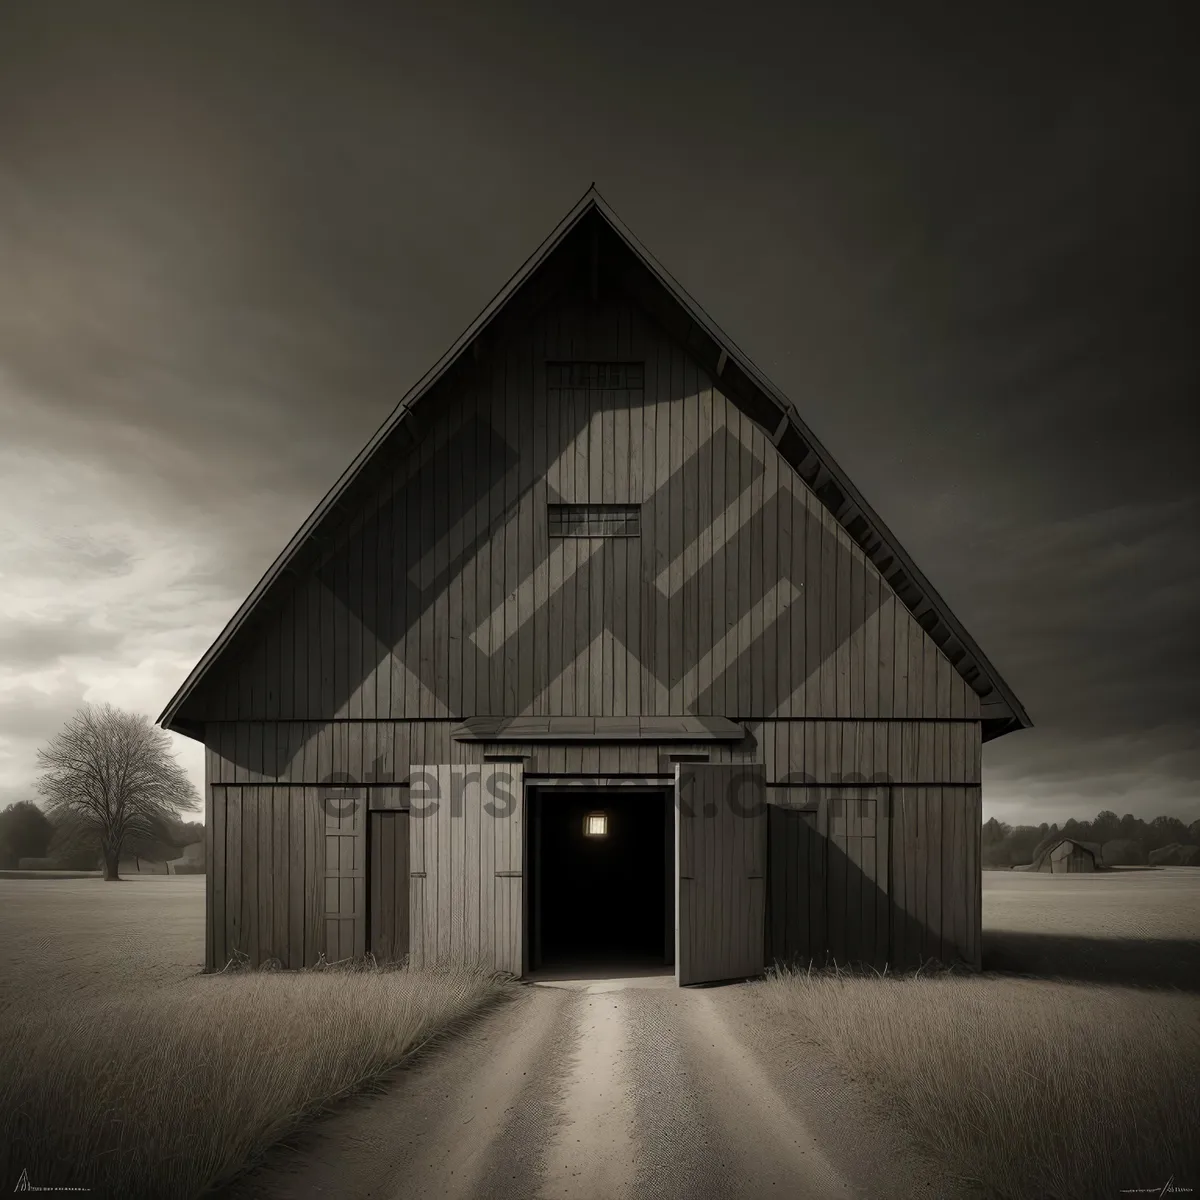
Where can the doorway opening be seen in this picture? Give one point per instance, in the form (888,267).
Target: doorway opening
(601,874)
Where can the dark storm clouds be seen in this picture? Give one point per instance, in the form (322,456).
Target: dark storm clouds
(965,249)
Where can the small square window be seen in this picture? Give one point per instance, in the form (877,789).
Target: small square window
(596,824)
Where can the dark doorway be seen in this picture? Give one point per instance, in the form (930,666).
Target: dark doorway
(601,899)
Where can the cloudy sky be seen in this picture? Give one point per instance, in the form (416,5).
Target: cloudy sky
(229,243)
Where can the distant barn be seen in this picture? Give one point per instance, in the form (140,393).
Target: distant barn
(1067,857)
(190,862)
(1175,855)
(594,652)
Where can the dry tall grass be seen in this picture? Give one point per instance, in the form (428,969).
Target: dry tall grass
(1026,1089)
(166,1095)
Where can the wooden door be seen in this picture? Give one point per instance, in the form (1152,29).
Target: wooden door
(796,900)
(858,893)
(466,865)
(388,886)
(720,864)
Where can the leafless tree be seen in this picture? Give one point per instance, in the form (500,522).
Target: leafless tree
(114,772)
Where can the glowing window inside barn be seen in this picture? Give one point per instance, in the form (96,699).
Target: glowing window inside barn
(595,520)
(595,824)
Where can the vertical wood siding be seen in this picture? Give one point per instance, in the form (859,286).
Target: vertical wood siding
(466,865)
(284,876)
(895,880)
(445,596)
(936,871)
(720,871)
(796,887)
(857,852)
(388,886)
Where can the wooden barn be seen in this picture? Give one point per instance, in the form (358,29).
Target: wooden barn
(1068,856)
(594,653)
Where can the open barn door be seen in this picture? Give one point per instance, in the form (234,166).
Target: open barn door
(720,864)
(466,865)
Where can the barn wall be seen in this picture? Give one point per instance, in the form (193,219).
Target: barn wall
(917,881)
(446,597)
(367,752)
(287,875)
(937,879)
(884,876)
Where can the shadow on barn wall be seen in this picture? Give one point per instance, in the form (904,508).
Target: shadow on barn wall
(823,907)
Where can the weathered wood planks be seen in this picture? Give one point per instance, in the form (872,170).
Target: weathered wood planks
(445,594)
(389,886)
(446,597)
(466,858)
(721,868)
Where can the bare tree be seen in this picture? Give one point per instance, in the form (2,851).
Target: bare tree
(114,772)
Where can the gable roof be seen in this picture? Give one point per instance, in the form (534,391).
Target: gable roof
(589,234)
(1092,848)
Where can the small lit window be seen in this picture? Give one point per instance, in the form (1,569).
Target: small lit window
(595,824)
(595,520)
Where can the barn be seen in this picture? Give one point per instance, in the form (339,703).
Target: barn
(1068,856)
(594,654)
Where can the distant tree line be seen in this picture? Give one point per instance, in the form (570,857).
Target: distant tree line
(1126,841)
(68,844)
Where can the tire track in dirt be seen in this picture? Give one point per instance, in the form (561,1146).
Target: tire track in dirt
(709,1122)
(470,1118)
(592,1153)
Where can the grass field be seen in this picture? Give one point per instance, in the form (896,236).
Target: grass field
(1076,1081)
(69,940)
(1125,902)
(125,1070)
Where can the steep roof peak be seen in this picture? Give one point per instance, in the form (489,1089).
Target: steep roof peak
(675,310)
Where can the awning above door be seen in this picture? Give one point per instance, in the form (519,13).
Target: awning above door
(598,729)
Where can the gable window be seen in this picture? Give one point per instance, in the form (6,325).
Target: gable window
(595,520)
(595,374)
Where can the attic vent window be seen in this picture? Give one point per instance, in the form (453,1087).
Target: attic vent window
(595,374)
(595,520)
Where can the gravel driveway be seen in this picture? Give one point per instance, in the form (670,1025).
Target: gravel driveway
(603,1091)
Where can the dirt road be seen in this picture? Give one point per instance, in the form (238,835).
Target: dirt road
(599,1093)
